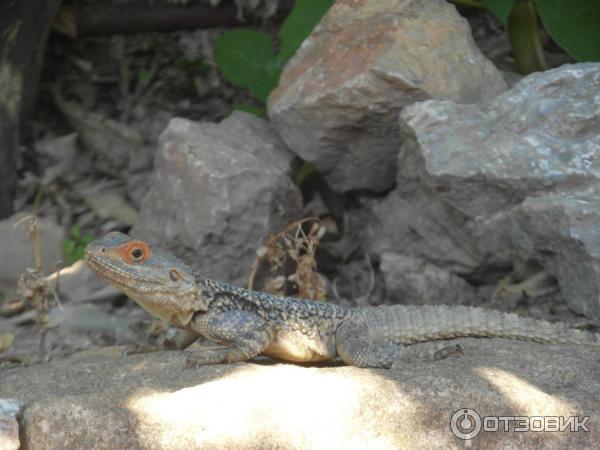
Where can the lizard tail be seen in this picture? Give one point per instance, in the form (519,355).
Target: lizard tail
(409,324)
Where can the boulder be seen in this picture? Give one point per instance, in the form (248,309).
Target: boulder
(339,97)
(542,135)
(100,400)
(562,231)
(424,228)
(411,280)
(464,168)
(217,191)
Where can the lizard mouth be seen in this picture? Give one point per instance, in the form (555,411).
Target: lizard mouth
(129,282)
(112,272)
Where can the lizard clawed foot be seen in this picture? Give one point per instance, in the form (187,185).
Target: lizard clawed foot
(207,356)
(171,344)
(192,363)
(429,351)
(138,349)
(448,351)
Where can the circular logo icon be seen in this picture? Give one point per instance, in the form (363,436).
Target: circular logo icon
(465,424)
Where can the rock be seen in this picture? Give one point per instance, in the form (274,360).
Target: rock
(9,426)
(98,399)
(543,134)
(137,186)
(61,154)
(562,231)
(112,205)
(338,99)
(88,318)
(464,167)
(411,280)
(218,190)
(116,145)
(422,228)
(17,249)
(77,283)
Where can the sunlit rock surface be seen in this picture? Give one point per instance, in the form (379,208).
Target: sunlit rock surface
(217,191)
(9,426)
(338,99)
(542,135)
(99,400)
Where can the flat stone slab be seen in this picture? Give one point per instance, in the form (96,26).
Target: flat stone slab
(100,400)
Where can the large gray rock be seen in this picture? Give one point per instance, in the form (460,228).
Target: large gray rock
(16,248)
(562,231)
(217,190)
(543,134)
(423,228)
(411,280)
(338,98)
(463,168)
(100,400)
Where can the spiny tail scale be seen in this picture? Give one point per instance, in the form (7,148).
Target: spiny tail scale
(409,324)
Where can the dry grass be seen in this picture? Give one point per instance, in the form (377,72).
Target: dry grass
(290,258)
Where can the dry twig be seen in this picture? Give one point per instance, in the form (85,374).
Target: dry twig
(294,244)
(33,287)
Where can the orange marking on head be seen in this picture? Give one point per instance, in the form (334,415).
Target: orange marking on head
(134,252)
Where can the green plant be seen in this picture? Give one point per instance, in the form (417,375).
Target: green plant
(574,25)
(193,66)
(74,245)
(248,59)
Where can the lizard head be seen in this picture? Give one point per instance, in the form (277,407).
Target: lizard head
(155,279)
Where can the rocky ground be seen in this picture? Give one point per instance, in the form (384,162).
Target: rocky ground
(97,399)
(437,174)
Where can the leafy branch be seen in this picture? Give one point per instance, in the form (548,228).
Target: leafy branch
(575,26)
(248,59)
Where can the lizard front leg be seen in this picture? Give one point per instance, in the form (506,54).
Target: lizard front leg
(243,334)
(181,341)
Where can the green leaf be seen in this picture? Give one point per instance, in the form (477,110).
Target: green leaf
(75,232)
(247,59)
(300,22)
(143,75)
(69,246)
(257,111)
(194,66)
(501,8)
(78,253)
(574,25)
(69,250)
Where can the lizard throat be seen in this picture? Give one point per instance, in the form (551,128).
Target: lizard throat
(173,305)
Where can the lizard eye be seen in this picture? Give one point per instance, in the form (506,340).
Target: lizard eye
(134,252)
(137,253)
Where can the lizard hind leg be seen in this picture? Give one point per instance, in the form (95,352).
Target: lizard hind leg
(354,348)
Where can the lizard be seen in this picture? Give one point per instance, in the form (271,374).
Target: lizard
(245,323)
